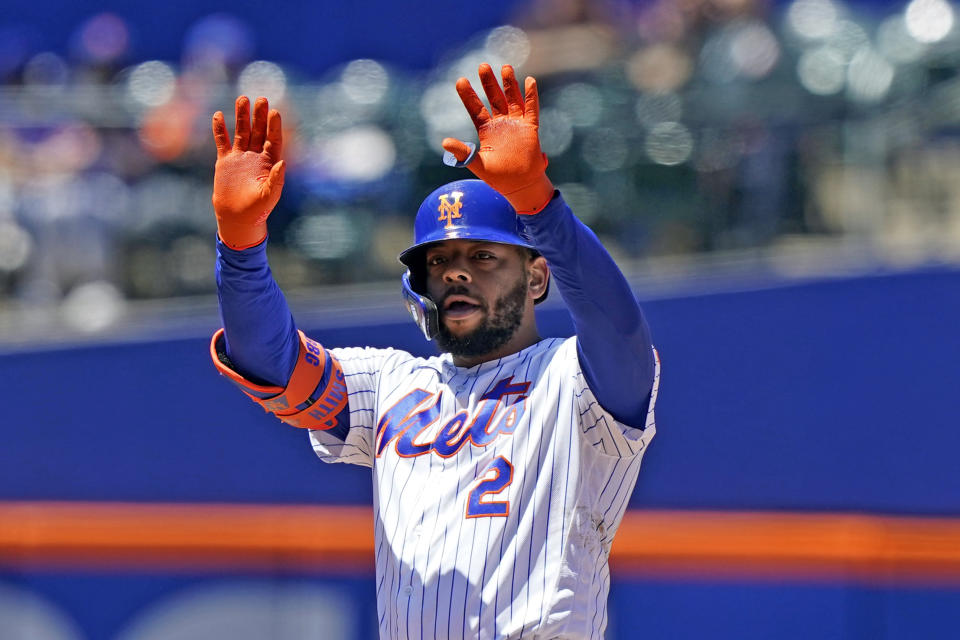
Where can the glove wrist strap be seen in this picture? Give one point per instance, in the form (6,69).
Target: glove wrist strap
(533,197)
(239,238)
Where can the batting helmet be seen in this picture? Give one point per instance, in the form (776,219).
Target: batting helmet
(467,210)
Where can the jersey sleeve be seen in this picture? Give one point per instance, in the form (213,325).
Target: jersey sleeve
(363,368)
(598,427)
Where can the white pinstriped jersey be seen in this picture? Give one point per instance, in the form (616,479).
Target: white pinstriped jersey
(497,490)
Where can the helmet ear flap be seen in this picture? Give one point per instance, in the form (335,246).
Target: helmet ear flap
(421,307)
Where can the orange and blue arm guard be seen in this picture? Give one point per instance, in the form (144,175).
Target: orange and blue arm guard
(314,398)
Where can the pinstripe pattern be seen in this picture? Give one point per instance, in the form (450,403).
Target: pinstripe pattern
(539,570)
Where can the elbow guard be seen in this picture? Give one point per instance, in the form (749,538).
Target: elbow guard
(314,397)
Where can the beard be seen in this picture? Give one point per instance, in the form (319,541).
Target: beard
(495,330)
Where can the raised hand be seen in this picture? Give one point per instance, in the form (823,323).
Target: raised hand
(249,175)
(509,158)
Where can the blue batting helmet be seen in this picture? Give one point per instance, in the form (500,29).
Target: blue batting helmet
(467,210)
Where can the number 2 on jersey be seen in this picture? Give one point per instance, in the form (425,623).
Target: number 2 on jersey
(495,478)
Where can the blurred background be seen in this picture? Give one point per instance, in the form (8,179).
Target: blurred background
(778,180)
(677,129)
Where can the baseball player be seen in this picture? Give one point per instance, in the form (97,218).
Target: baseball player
(502,467)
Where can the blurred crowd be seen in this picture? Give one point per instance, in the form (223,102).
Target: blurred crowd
(673,127)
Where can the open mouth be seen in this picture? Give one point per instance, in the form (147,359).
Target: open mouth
(457,307)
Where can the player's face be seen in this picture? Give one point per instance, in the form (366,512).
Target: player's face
(482,293)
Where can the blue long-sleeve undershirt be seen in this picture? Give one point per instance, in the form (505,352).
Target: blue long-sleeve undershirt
(259,332)
(613,339)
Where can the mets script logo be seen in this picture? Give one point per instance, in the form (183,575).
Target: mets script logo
(405,422)
(450,208)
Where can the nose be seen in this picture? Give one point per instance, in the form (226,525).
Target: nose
(456,271)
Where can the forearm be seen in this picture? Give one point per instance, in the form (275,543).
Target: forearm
(260,334)
(613,338)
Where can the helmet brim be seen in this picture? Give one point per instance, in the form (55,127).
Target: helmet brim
(413,257)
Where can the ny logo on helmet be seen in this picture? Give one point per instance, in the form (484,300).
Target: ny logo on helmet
(450,211)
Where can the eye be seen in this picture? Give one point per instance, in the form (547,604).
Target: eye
(484,255)
(435,260)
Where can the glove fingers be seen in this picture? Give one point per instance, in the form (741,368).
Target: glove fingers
(259,130)
(512,91)
(478,113)
(498,102)
(274,146)
(220,135)
(241,134)
(531,110)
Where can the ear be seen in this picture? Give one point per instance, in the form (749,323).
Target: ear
(538,274)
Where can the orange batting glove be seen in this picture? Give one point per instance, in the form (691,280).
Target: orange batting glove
(249,175)
(509,158)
